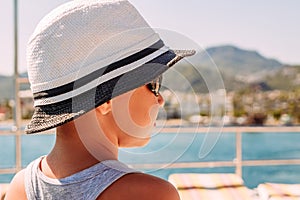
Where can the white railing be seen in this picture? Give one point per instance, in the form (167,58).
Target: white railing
(238,162)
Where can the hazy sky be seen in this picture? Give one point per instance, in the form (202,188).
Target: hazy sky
(272,27)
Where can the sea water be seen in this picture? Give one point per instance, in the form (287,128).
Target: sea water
(167,148)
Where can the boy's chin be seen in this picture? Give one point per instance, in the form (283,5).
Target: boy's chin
(140,142)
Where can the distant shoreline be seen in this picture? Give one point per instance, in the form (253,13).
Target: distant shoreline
(167,123)
(173,126)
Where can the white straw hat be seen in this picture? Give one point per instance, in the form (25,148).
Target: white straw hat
(84,53)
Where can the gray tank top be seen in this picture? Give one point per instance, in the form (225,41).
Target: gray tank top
(86,185)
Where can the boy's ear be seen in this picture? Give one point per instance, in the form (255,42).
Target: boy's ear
(105,108)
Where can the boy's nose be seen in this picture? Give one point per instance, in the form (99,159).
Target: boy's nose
(161,100)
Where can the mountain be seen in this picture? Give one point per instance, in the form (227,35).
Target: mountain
(237,67)
(7,86)
(236,61)
(287,78)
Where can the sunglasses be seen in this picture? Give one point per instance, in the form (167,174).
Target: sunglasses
(155,85)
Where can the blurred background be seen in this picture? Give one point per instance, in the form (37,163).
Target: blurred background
(253,45)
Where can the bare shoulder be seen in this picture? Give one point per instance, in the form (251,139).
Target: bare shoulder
(16,189)
(140,186)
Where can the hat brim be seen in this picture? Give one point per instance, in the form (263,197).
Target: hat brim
(46,117)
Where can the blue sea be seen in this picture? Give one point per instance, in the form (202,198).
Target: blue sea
(184,147)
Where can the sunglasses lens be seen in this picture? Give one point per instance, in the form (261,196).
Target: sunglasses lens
(155,86)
